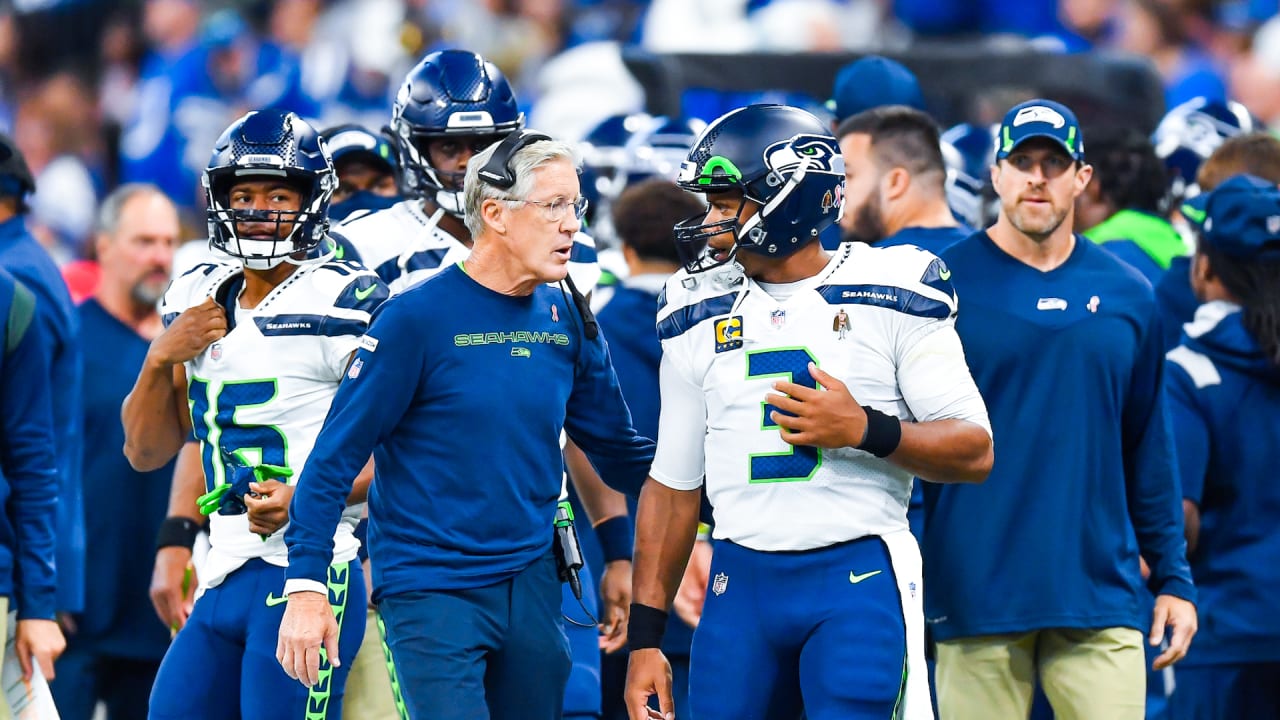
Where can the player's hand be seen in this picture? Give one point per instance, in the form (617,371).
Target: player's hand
(195,329)
(173,586)
(307,629)
(1176,613)
(692,593)
(39,640)
(615,591)
(648,674)
(268,504)
(825,418)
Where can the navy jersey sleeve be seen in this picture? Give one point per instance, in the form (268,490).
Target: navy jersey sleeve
(1155,504)
(1190,432)
(373,397)
(29,466)
(597,419)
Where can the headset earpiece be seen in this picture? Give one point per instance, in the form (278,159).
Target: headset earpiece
(497,172)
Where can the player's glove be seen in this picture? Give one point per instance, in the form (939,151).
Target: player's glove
(228,498)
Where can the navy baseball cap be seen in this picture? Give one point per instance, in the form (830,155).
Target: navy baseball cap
(871,82)
(358,142)
(1241,217)
(1040,118)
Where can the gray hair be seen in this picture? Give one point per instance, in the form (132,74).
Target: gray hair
(113,205)
(530,157)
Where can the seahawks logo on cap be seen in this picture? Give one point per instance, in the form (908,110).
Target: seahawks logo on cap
(1039,113)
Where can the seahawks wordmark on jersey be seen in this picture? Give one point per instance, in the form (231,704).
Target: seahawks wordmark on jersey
(405,246)
(880,320)
(260,394)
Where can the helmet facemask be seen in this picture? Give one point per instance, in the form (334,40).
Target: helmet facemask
(310,223)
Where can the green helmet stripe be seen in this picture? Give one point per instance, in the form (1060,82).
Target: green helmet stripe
(721,163)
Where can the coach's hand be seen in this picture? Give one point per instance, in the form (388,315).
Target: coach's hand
(615,593)
(692,593)
(827,418)
(268,504)
(195,329)
(649,674)
(307,629)
(173,586)
(40,640)
(1176,613)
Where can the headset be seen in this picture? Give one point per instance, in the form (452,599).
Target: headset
(497,172)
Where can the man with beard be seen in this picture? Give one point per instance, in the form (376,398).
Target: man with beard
(1034,575)
(116,644)
(895,180)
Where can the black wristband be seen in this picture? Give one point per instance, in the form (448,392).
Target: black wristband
(177,531)
(883,433)
(646,627)
(616,536)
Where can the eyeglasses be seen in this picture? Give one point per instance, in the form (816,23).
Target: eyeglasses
(554,210)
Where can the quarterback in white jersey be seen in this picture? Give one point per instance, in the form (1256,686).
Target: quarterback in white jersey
(815,600)
(249,362)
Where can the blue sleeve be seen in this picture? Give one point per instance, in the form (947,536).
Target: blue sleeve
(1191,433)
(1155,505)
(370,402)
(597,419)
(30,469)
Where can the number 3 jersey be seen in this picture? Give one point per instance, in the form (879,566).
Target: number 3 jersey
(260,394)
(882,321)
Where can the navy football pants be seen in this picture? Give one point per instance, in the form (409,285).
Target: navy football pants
(222,664)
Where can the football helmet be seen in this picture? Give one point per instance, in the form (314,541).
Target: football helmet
(969,151)
(450,93)
(781,158)
(1189,133)
(269,143)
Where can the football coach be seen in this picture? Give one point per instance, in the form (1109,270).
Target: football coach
(460,391)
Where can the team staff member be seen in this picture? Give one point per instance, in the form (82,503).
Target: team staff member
(459,536)
(1223,378)
(1064,342)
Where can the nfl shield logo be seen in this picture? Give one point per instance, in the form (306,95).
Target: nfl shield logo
(719,583)
(215,352)
(777,319)
(354,372)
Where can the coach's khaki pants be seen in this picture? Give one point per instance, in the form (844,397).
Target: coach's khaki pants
(4,640)
(1086,674)
(369,695)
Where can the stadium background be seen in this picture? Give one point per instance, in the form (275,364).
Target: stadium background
(97,93)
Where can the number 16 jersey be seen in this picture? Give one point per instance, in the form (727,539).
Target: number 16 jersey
(880,320)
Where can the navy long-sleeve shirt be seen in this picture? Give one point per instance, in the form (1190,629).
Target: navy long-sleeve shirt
(460,393)
(1070,364)
(27,465)
(23,256)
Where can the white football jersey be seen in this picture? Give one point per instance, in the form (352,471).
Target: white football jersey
(261,393)
(405,246)
(880,320)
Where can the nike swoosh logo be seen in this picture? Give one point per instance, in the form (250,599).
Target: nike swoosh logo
(945,274)
(855,579)
(362,294)
(272,600)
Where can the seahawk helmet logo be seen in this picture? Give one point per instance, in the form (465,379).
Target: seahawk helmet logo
(1039,113)
(822,154)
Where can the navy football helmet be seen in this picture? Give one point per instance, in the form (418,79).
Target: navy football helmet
(272,144)
(969,151)
(450,93)
(781,158)
(1189,133)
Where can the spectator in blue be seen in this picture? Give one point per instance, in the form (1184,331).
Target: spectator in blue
(180,110)
(643,216)
(1122,208)
(1035,574)
(27,469)
(23,257)
(1157,29)
(117,644)
(1224,392)
(460,535)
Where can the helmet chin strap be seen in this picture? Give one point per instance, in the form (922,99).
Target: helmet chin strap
(450,201)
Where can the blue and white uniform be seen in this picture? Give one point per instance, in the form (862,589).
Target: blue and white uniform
(261,394)
(802,533)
